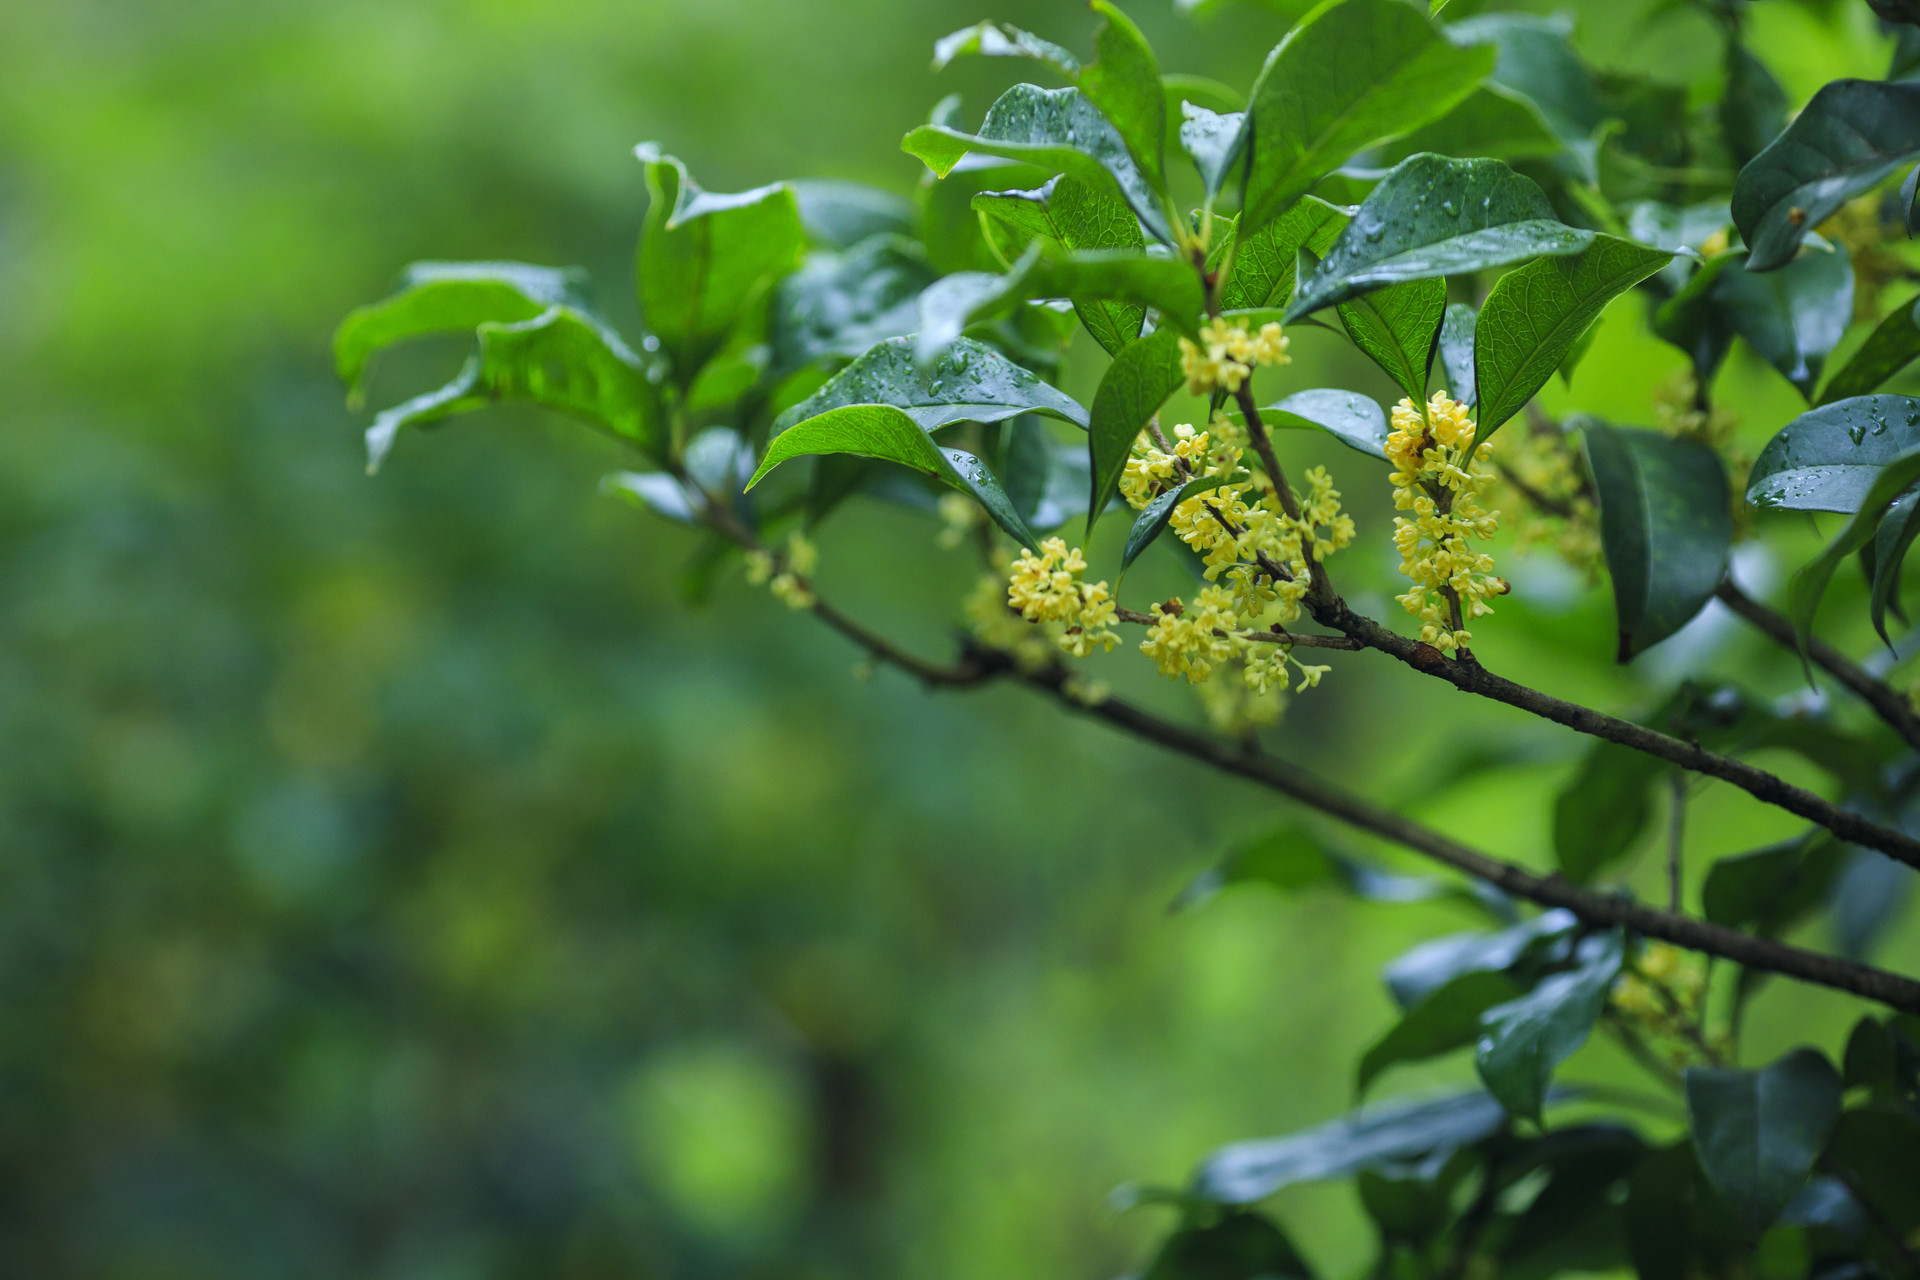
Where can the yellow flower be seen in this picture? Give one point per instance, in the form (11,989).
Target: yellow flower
(1192,640)
(1438,477)
(1047,588)
(1227,354)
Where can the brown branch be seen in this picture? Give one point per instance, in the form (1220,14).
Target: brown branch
(1886,702)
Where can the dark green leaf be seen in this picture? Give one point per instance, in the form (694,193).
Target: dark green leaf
(1131,391)
(1809,583)
(1456,352)
(838,304)
(1424,970)
(1770,890)
(1576,1223)
(951,230)
(970,383)
(1890,545)
(1430,217)
(706,258)
(1445,1020)
(1056,129)
(560,359)
(1677,1227)
(1666,525)
(1794,317)
(1534,315)
(1214,141)
(1694,319)
(1240,1246)
(1000,40)
(839,215)
(1153,517)
(1891,347)
(1523,1041)
(1757,1133)
(1125,85)
(1870,894)
(1292,859)
(1352,75)
(1077,216)
(1753,110)
(1379,1136)
(1352,419)
(1674,228)
(447,297)
(1603,810)
(1537,61)
(1874,1144)
(1827,459)
(1266,262)
(891,435)
(1848,139)
(1410,1210)
(1397,327)
(1910,201)
(1491,123)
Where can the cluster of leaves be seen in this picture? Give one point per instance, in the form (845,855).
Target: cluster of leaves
(1468,196)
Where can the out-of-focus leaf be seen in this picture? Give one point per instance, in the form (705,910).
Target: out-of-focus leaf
(1890,545)
(1430,217)
(970,383)
(1850,137)
(1057,129)
(1676,227)
(1240,1246)
(1077,216)
(1910,201)
(1424,970)
(1353,419)
(1491,123)
(1871,892)
(1666,525)
(450,297)
(839,214)
(838,304)
(1794,316)
(1891,347)
(1524,1040)
(890,434)
(1385,1135)
(1131,391)
(1125,85)
(705,258)
(1445,1020)
(1677,1226)
(1537,61)
(1352,75)
(560,359)
(654,491)
(1291,859)
(1266,263)
(1809,583)
(1456,352)
(1414,1209)
(1753,109)
(1693,320)
(1770,890)
(1874,1145)
(1396,327)
(1603,810)
(1534,315)
(1002,40)
(1757,1133)
(950,229)
(1827,459)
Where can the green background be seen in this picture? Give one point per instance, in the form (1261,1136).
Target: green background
(399,879)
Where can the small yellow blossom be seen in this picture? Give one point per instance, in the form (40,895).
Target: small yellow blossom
(959,517)
(1191,640)
(785,574)
(1047,588)
(1227,354)
(1543,463)
(1438,477)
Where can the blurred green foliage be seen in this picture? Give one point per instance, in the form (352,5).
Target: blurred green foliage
(398,879)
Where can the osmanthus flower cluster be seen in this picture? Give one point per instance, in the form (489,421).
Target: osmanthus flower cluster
(841,346)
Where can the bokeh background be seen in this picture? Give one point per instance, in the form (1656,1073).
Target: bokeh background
(398,878)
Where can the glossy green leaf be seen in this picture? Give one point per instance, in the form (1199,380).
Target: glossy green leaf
(1123,277)
(1447,1019)
(1153,517)
(1523,1041)
(838,304)
(1077,216)
(1666,525)
(1533,316)
(1385,1135)
(1397,327)
(951,229)
(1492,122)
(1753,109)
(1349,417)
(1125,84)
(449,297)
(1431,217)
(1827,459)
(1057,129)
(705,258)
(970,383)
(1809,583)
(890,434)
(1131,391)
(1352,75)
(1847,140)
(839,215)
(1419,973)
(1214,141)
(1240,1246)
(1266,263)
(1455,347)
(1890,545)
(1002,40)
(560,359)
(1891,347)
(1795,316)
(1758,1133)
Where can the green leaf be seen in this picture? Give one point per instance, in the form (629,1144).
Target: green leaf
(1456,352)
(890,434)
(442,297)
(1603,810)
(1153,517)
(1445,1020)
(1240,1246)
(1891,347)
(560,359)
(1490,123)
(1537,61)
(1430,217)
(1266,263)
(970,383)
(1214,141)
(1419,973)
(1352,419)
(1666,525)
(1078,216)
(1057,129)
(1753,110)
(1001,40)
(1119,276)
(705,258)
(1758,1133)
(1125,85)
(1131,391)
(1534,315)
(1352,74)
(1847,140)
(1677,1227)
(1674,228)
(1397,327)
(1292,859)
(1523,1041)
(1374,1137)
(1890,545)
(1795,316)
(951,230)
(1695,321)
(838,304)
(1809,583)
(1770,890)
(839,215)
(1874,1144)
(1827,459)
(654,491)
(1910,201)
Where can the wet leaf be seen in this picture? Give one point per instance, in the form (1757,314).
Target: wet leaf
(1523,1041)
(1077,215)
(839,214)
(1349,417)
(970,383)
(1266,263)
(1891,347)
(1890,545)
(1456,352)
(1397,327)
(1492,123)
(1125,85)
(1827,459)
(838,304)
